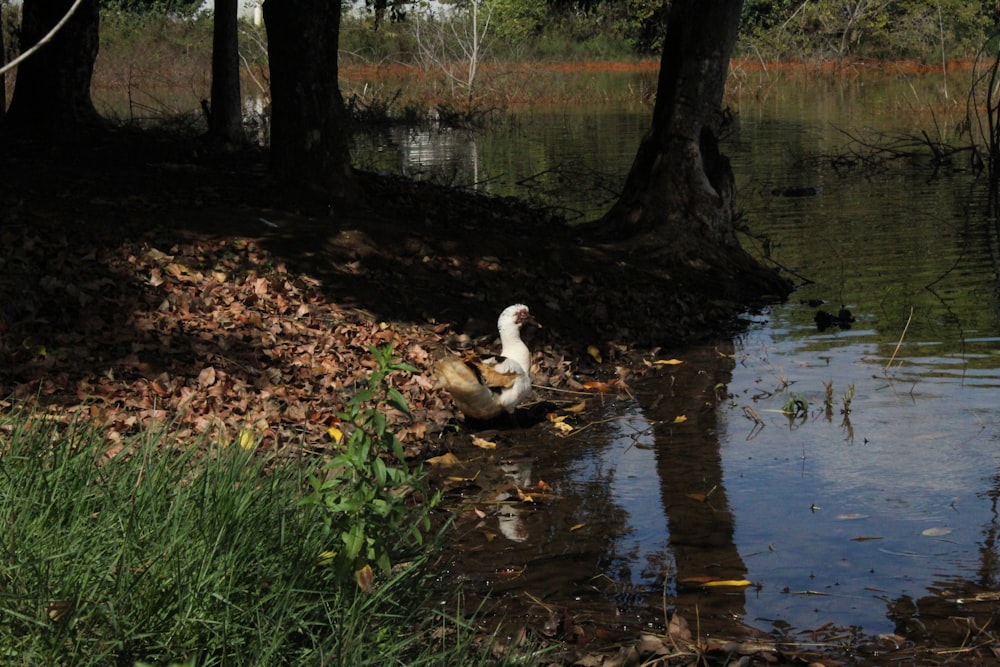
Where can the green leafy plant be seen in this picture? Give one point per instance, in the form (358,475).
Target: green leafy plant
(796,406)
(367,489)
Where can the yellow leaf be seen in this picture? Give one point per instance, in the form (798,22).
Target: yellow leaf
(563,427)
(738,583)
(365,578)
(595,353)
(555,419)
(579,407)
(246,439)
(667,362)
(326,558)
(576,527)
(482,443)
(448,459)
(680,419)
(335,434)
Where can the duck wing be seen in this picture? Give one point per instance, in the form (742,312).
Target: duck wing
(497,373)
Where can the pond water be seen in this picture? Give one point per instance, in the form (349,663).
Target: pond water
(872,509)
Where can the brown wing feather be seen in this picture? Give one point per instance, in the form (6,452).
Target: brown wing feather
(490,376)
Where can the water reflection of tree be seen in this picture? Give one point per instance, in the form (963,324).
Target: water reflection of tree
(689,468)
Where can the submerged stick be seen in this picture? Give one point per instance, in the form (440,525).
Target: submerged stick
(901,337)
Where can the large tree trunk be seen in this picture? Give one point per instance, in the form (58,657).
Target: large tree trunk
(225,120)
(679,194)
(52,89)
(308,136)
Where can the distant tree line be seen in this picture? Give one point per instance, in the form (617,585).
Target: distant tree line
(811,30)
(799,30)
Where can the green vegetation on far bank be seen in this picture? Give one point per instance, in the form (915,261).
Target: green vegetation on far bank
(162,60)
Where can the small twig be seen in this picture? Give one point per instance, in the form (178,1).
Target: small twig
(900,343)
(563,391)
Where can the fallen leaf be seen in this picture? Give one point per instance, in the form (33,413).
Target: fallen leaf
(448,459)
(667,362)
(678,628)
(595,385)
(482,443)
(246,439)
(365,578)
(579,407)
(576,526)
(595,353)
(937,531)
(563,427)
(206,378)
(652,645)
(335,434)
(736,583)
(59,610)
(680,419)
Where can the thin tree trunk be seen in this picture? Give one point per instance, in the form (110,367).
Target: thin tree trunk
(225,121)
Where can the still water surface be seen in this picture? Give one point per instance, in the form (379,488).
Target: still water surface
(869,518)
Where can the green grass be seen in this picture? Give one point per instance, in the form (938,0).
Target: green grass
(188,555)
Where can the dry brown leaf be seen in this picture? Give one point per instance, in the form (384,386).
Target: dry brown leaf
(365,578)
(678,629)
(448,459)
(482,443)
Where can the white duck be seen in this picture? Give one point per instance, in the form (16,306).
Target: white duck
(483,388)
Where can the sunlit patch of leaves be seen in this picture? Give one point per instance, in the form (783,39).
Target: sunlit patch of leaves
(217,337)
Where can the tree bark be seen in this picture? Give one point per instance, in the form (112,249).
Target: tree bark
(308,134)
(52,89)
(679,193)
(225,120)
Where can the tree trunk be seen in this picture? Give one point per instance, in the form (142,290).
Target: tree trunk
(308,135)
(225,120)
(52,89)
(679,194)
